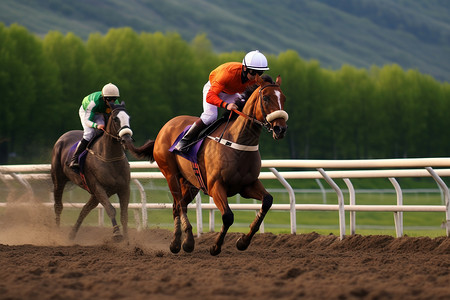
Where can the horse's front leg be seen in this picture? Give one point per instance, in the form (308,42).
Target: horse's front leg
(255,191)
(124,200)
(90,205)
(220,199)
(111,212)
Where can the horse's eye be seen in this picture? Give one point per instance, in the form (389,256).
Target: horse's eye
(266,98)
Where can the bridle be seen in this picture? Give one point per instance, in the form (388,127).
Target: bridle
(118,135)
(266,123)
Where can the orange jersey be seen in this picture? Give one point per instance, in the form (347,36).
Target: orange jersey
(226,78)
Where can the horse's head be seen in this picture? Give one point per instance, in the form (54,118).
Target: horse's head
(269,106)
(119,123)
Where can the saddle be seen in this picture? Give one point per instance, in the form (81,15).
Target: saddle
(194,147)
(192,153)
(82,156)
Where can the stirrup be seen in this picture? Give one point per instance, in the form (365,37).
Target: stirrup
(181,148)
(74,164)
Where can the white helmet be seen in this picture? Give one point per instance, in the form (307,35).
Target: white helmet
(110,90)
(255,60)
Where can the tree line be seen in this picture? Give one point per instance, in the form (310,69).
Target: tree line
(350,113)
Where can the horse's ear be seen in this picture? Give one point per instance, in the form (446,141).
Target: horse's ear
(122,103)
(259,80)
(278,81)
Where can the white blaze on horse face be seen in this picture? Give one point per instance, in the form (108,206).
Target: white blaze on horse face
(124,119)
(278,94)
(277,113)
(124,123)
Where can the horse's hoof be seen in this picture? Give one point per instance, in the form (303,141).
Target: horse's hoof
(188,247)
(241,244)
(175,248)
(189,243)
(72,235)
(214,250)
(117,238)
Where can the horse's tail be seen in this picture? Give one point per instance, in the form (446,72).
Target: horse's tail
(143,152)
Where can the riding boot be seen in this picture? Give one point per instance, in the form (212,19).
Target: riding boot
(190,135)
(80,148)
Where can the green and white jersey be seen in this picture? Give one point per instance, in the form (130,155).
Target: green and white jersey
(94,104)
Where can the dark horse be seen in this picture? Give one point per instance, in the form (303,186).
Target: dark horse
(106,170)
(227,168)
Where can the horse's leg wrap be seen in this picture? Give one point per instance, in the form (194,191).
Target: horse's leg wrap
(243,242)
(175,245)
(116,230)
(227,220)
(117,236)
(188,243)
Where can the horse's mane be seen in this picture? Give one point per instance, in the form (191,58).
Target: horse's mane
(249,91)
(118,106)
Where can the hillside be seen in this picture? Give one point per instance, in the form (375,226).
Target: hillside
(413,34)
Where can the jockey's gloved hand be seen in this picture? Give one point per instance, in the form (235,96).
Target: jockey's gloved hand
(240,102)
(231,106)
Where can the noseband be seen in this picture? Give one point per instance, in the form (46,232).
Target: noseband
(119,133)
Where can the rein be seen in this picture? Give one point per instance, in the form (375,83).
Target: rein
(248,117)
(104,159)
(266,124)
(114,137)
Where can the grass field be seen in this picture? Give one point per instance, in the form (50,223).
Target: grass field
(322,222)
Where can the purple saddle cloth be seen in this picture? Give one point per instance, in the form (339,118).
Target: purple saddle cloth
(191,154)
(81,157)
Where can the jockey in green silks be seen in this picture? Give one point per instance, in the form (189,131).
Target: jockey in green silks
(92,110)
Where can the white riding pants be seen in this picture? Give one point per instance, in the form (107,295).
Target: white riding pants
(210,111)
(88,131)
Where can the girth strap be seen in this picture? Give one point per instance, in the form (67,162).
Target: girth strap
(234,145)
(84,182)
(198,174)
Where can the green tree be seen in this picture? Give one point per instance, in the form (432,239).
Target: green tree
(383,112)
(353,105)
(76,74)
(28,84)
(292,70)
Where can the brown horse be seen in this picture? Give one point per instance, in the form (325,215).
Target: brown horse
(227,168)
(106,171)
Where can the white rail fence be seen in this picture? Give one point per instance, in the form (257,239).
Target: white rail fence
(318,169)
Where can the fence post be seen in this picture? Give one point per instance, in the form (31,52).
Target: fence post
(198,209)
(340,201)
(292,209)
(398,215)
(446,196)
(211,216)
(23,182)
(322,189)
(351,192)
(143,203)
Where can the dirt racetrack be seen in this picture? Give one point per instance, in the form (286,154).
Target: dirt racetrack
(37,261)
(40,263)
